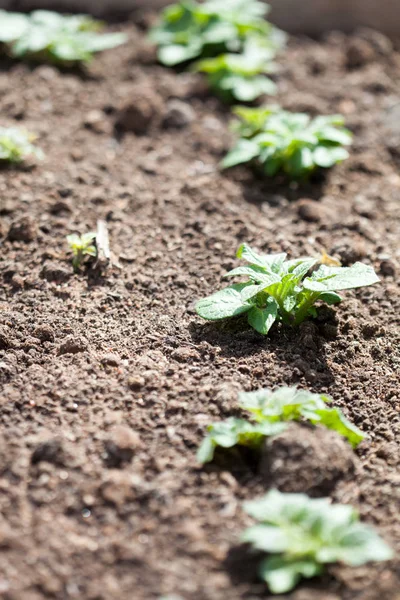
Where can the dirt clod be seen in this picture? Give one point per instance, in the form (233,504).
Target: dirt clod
(296,461)
(310,211)
(50,451)
(56,272)
(178,114)
(73,344)
(22,230)
(45,333)
(121,446)
(388,268)
(143,111)
(111,360)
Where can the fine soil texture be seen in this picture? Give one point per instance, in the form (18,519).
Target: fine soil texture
(109,378)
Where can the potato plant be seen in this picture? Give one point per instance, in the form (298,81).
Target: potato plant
(301,535)
(82,246)
(47,36)
(190,30)
(240,76)
(277,289)
(269,412)
(276,141)
(17,144)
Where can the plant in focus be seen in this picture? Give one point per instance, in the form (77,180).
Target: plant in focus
(189,30)
(240,76)
(49,36)
(277,289)
(276,140)
(81,246)
(270,411)
(17,144)
(303,534)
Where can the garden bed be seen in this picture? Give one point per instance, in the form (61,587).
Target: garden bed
(109,379)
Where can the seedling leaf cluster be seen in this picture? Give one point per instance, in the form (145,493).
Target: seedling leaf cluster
(302,534)
(17,144)
(277,289)
(270,411)
(82,246)
(293,143)
(49,36)
(232,39)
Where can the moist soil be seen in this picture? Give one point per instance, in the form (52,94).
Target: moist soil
(109,378)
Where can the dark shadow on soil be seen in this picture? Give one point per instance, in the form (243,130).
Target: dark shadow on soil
(257,189)
(302,348)
(242,564)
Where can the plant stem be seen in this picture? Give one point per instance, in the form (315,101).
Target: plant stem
(302,310)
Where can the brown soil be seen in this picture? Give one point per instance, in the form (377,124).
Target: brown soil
(108,380)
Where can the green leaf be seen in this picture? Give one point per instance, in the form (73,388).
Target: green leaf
(12,26)
(252,257)
(244,151)
(262,319)
(254,272)
(205,452)
(340,278)
(332,418)
(330,298)
(175,54)
(268,538)
(232,432)
(246,89)
(326,156)
(225,303)
(282,575)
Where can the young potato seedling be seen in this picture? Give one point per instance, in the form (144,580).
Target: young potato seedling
(270,411)
(50,37)
(240,76)
(81,246)
(303,534)
(280,290)
(16,145)
(276,140)
(189,30)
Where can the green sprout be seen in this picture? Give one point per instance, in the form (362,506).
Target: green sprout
(281,290)
(240,76)
(81,246)
(270,411)
(189,30)
(303,534)
(16,145)
(276,140)
(48,36)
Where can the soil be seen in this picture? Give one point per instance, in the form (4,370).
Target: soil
(108,376)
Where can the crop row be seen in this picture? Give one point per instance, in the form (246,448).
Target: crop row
(235,46)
